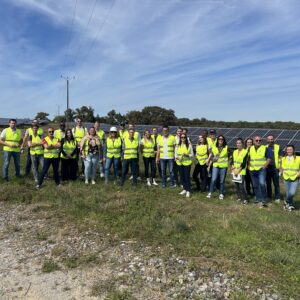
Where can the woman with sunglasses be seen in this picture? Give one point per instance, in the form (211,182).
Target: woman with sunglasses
(202,160)
(248,181)
(290,170)
(238,167)
(183,157)
(51,157)
(147,150)
(112,153)
(89,149)
(220,153)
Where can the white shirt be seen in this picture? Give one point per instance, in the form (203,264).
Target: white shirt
(166,155)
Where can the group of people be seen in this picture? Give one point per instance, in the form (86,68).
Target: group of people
(255,168)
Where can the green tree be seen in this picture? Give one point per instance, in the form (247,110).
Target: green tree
(69,115)
(86,113)
(42,116)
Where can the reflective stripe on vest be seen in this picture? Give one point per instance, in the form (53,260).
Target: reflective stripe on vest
(69,147)
(36,150)
(290,168)
(113,147)
(171,146)
(13,138)
(257,157)
(51,153)
(130,148)
(183,160)
(238,158)
(148,147)
(201,154)
(222,161)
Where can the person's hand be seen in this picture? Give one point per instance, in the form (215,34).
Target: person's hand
(157,160)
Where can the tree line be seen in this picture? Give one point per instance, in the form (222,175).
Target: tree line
(155,115)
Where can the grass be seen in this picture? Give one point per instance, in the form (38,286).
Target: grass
(262,245)
(50,266)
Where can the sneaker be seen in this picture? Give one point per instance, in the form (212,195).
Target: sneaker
(139,178)
(101,175)
(188,194)
(245,202)
(148,182)
(285,205)
(168,179)
(131,177)
(208,195)
(277,201)
(93,182)
(86,181)
(173,186)
(37,186)
(154,182)
(182,192)
(221,197)
(291,208)
(59,185)
(263,205)
(238,200)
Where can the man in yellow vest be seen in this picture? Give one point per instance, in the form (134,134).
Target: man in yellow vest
(274,153)
(51,157)
(79,133)
(101,135)
(166,155)
(28,134)
(258,162)
(156,136)
(122,129)
(61,132)
(11,139)
(130,157)
(212,139)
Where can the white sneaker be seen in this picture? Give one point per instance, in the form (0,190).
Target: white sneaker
(131,177)
(101,175)
(182,192)
(188,194)
(93,182)
(139,178)
(148,182)
(208,195)
(221,196)
(154,182)
(277,201)
(86,181)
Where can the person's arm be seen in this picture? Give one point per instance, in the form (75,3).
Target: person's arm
(30,143)
(191,153)
(244,163)
(25,139)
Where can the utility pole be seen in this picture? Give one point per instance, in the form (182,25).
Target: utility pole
(67,78)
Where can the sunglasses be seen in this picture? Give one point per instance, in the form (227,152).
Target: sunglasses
(221,139)
(183,137)
(113,132)
(257,140)
(50,131)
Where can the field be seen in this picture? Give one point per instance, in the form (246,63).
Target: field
(259,248)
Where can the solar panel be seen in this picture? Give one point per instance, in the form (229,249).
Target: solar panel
(297,136)
(287,134)
(282,142)
(234,132)
(246,133)
(275,132)
(260,132)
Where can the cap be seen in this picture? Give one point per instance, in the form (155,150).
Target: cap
(113,129)
(212,131)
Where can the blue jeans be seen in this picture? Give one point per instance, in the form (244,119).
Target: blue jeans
(37,161)
(185,177)
(218,173)
(133,163)
(290,190)
(55,165)
(259,185)
(164,163)
(109,161)
(101,165)
(7,156)
(90,166)
(273,175)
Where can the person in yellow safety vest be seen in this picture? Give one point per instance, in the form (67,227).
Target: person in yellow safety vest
(61,132)
(101,135)
(211,140)
(130,157)
(51,157)
(274,153)
(79,132)
(112,153)
(176,168)
(220,153)
(68,154)
(184,158)
(90,147)
(156,136)
(203,157)
(290,171)
(248,180)
(165,155)
(11,139)
(258,162)
(35,144)
(27,134)
(238,167)
(148,153)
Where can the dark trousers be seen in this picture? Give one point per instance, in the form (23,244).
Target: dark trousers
(28,163)
(202,170)
(55,165)
(68,169)
(185,177)
(240,189)
(133,163)
(149,162)
(272,176)
(177,174)
(248,183)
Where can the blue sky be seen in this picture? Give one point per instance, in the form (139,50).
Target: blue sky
(218,59)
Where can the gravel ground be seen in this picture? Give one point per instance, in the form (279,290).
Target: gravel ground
(43,258)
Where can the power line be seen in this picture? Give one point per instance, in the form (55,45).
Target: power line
(86,27)
(99,31)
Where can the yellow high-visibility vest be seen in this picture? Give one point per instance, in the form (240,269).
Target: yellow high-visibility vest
(130,148)
(290,168)
(39,149)
(13,138)
(257,157)
(181,151)
(171,146)
(113,147)
(69,147)
(222,161)
(148,147)
(201,154)
(51,153)
(238,158)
